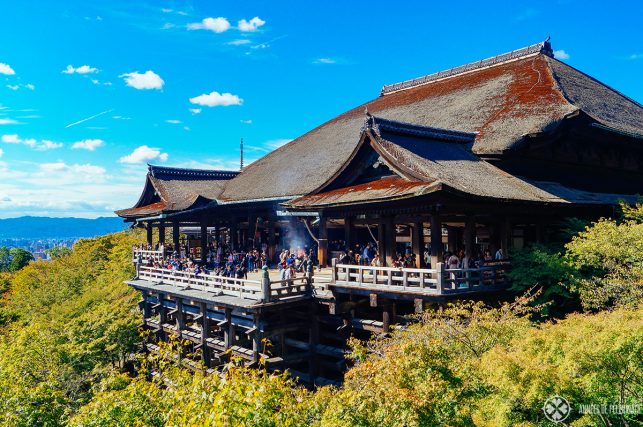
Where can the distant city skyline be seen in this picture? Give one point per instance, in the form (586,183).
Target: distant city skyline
(91,91)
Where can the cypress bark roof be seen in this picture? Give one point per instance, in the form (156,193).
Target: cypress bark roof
(429,160)
(501,102)
(176,189)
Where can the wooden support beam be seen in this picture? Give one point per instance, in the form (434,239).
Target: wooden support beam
(381,242)
(233,235)
(256,339)
(205,334)
(470,237)
(162,232)
(176,242)
(204,241)
(386,317)
(313,341)
(322,248)
(436,239)
(180,317)
(228,333)
(505,236)
(417,239)
(389,239)
(349,232)
(148,229)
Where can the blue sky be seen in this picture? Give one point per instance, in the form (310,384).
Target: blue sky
(90,91)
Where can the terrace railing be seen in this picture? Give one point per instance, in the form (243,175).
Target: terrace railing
(261,291)
(147,255)
(438,281)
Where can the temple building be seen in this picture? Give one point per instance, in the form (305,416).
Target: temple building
(487,156)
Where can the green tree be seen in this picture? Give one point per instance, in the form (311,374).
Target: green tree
(19,259)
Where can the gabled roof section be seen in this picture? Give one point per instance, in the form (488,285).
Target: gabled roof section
(175,189)
(542,47)
(425,163)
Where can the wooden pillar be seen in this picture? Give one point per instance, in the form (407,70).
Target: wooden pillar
(348,232)
(417,241)
(233,235)
(180,318)
(205,334)
(176,242)
(470,237)
(162,310)
(252,227)
(436,239)
(313,340)
(204,242)
(162,232)
(256,339)
(386,316)
(381,242)
(228,332)
(505,236)
(389,239)
(148,229)
(272,249)
(322,247)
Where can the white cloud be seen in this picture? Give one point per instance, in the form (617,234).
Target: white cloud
(252,25)
(195,110)
(246,122)
(83,69)
(87,144)
(6,69)
(144,154)
(239,42)
(173,122)
(146,80)
(166,10)
(561,54)
(18,86)
(214,99)
(121,118)
(325,61)
(11,139)
(43,145)
(632,57)
(8,122)
(1,152)
(13,87)
(30,86)
(217,25)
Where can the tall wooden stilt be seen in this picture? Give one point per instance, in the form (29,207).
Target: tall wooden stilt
(176,242)
(348,232)
(148,229)
(205,334)
(162,232)
(389,239)
(470,237)
(204,242)
(417,241)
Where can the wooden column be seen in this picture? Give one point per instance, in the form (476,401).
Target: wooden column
(313,340)
(256,339)
(272,249)
(386,316)
(470,237)
(322,247)
(162,232)
(417,241)
(436,239)
(176,241)
(233,235)
(162,310)
(204,242)
(381,242)
(389,239)
(228,332)
(252,226)
(180,318)
(505,236)
(348,232)
(205,334)
(148,229)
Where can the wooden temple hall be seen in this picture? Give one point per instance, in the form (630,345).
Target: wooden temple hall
(487,156)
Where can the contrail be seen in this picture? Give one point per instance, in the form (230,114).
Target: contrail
(88,118)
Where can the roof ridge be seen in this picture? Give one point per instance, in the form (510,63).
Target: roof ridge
(543,47)
(204,173)
(378,124)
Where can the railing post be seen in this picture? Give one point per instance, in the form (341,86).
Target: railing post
(310,272)
(333,264)
(439,275)
(265,284)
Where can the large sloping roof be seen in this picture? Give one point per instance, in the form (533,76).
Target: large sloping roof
(500,99)
(429,160)
(176,189)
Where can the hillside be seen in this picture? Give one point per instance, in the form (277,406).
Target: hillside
(32,227)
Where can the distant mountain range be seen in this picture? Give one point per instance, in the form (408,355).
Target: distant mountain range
(34,227)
